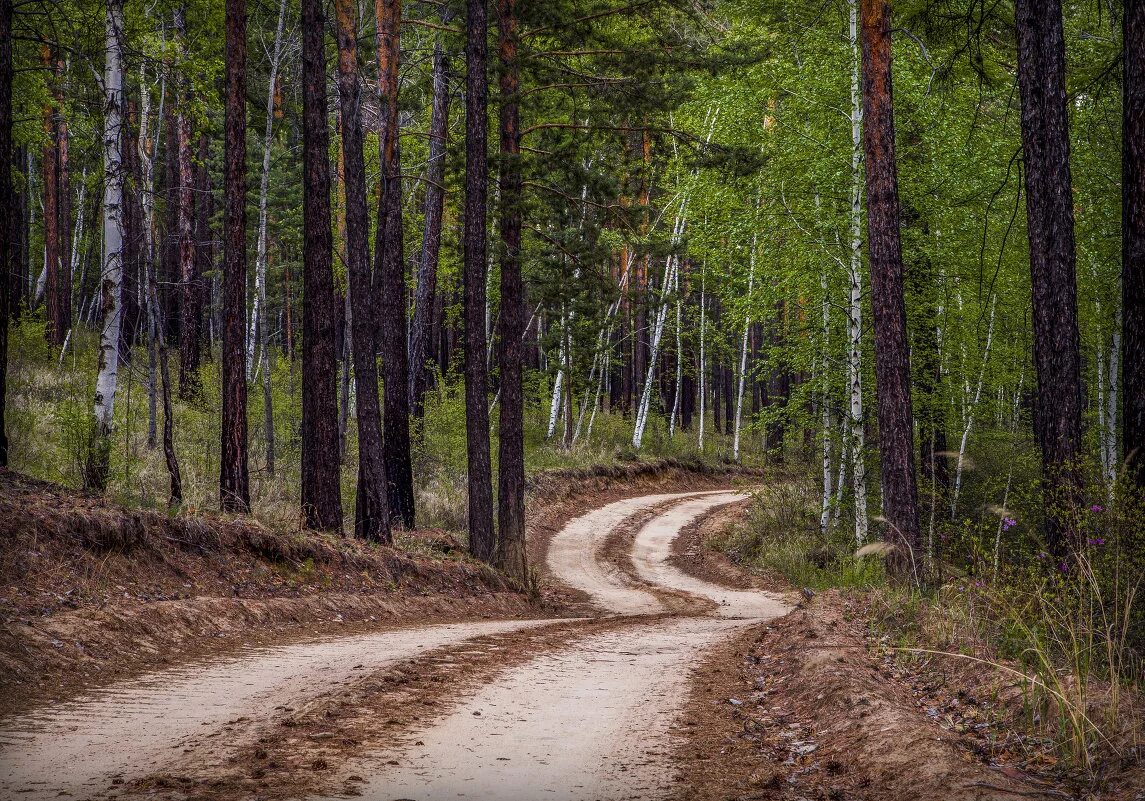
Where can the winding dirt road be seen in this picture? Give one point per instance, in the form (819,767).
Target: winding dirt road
(589,718)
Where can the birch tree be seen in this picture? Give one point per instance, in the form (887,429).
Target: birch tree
(111,273)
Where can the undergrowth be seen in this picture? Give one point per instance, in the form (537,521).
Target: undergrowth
(1065,638)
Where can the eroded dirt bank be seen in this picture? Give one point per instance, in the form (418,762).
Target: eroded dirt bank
(92,593)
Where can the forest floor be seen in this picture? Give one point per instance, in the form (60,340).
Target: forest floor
(647,666)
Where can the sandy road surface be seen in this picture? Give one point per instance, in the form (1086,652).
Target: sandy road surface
(589,722)
(592,721)
(653,548)
(134,728)
(574,554)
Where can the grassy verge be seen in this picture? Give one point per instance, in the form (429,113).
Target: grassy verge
(1059,643)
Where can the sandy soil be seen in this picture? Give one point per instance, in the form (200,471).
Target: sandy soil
(574,555)
(81,748)
(652,553)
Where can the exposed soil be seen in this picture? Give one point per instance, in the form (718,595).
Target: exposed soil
(309,749)
(800,708)
(92,592)
(692,553)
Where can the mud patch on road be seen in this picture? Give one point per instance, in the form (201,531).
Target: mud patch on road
(800,708)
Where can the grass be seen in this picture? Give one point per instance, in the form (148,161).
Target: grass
(1068,640)
(49,418)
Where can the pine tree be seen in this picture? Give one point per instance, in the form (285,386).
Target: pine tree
(234,488)
(892,353)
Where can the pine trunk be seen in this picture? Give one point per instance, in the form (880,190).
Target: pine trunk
(8,213)
(474,246)
(424,304)
(1133,243)
(189,305)
(389,275)
(321,491)
(234,489)
(1049,214)
(892,353)
(371,511)
(510,555)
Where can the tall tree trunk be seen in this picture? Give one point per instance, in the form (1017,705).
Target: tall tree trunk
(1133,243)
(111,274)
(8,212)
(146,150)
(424,303)
(189,306)
(262,258)
(257,313)
(204,243)
(169,456)
(1053,262)
(234,487)
(857,426)
(510,556)
(390,275)
(892,352)
(474,246)
(321,491)
(53,253)
(132,237)
(63,173)
(371,511)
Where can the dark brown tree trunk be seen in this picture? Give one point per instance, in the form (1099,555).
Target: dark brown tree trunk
(371,512)
(204,241)
(474,246)
(1133,242)
(321,490)
(510,555)
(8,222)
(424,304)
(132,235)
(390,278)
(184,219)
(234,488)
(1049,219)
(729,400)
(892,352)
(169,276)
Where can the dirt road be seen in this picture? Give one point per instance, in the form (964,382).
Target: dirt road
(589,718)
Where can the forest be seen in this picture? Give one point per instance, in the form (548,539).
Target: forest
(372,269)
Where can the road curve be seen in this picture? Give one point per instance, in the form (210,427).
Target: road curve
(574,555)
(591,722)
(133,729)
(653,548)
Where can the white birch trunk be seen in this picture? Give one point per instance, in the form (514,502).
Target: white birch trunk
(555,406)
(259,302)
(743,351)
(855,362)
(1111,403)
(703,346)
(111,276)
(679,361)
(972,408)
